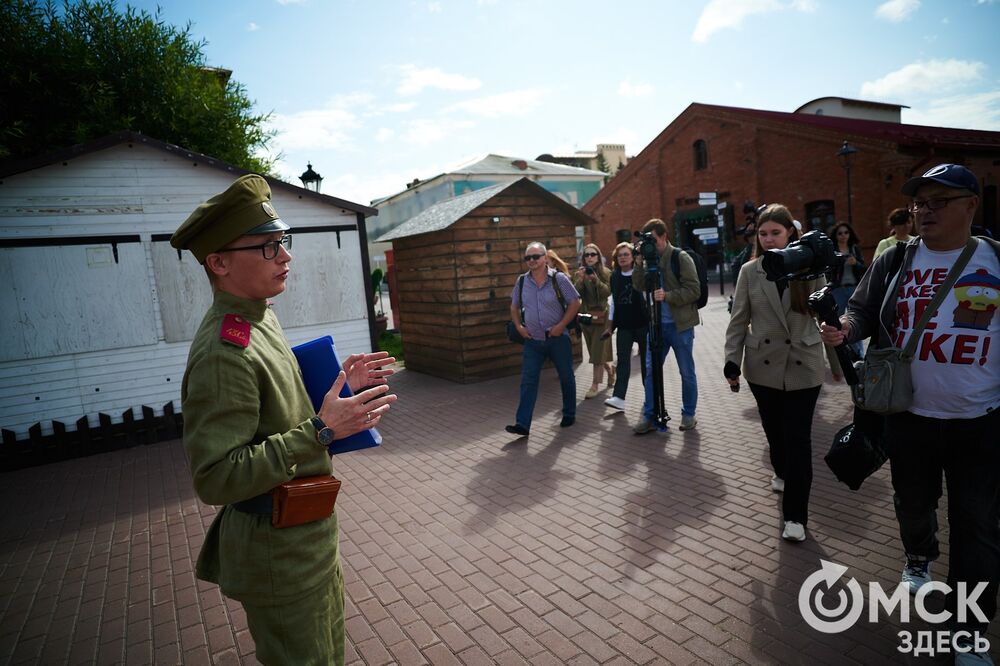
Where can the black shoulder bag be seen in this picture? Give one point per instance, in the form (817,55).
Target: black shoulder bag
(511,329)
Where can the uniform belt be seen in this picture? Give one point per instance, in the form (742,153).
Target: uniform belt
(261,504)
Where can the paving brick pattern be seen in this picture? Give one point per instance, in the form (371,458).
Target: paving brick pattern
(463,545)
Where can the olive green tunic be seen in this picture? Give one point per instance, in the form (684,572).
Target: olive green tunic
(246,430)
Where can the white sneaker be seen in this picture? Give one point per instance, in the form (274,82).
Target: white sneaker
(617,403)
(794,531)
(777,485)
(688,422)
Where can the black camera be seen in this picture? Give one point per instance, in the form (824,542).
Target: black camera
(646,247)
(805,259)
(589,270)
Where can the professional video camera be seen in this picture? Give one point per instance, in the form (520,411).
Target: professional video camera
(805,259)
(646,247)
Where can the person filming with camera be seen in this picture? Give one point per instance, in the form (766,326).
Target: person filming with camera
(678,299)
(774,337)
(593,281)
(949,428)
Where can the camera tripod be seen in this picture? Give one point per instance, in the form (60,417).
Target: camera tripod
(654,281)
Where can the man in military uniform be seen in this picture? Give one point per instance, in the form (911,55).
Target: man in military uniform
(249,426)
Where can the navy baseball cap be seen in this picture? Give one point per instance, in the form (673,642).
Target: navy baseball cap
(949,175)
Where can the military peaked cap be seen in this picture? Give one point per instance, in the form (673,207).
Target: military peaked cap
(244,208)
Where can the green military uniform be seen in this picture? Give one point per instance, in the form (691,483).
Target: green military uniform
(247,429)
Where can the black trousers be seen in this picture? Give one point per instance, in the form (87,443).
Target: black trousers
(966,452)
(787,420)
(624,339)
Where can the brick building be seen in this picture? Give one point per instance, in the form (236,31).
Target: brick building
(790,158)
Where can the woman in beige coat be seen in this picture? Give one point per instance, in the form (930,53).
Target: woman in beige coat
(777,342)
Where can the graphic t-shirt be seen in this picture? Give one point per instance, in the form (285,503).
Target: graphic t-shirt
(956,366)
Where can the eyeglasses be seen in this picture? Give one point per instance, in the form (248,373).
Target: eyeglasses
(590,254)
(934,204)
(533,257)
(269,249)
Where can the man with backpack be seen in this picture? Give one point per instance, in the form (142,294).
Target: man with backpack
(679,294)
(540,316)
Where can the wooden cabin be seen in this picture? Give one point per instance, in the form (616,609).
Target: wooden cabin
(456,264)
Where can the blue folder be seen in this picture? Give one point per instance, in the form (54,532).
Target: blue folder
(320,367)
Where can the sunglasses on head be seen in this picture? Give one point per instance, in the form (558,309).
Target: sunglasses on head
(533,257)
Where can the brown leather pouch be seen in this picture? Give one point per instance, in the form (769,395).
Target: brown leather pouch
(303,500)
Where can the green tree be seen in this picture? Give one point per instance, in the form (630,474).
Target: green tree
(602,164)
(85,70)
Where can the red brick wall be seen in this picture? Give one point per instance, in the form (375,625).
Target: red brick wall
(766,162)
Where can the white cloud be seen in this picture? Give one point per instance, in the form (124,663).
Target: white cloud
(416,79)
(720,14)
(979,111)
(514,103)
(325,128)
(401,107)
(933,76)
(314,128)
(384,134)
(629,89)
(897,10)
(434,7)
(424,131)
(253,27)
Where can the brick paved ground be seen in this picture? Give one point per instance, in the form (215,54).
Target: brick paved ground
(462,545)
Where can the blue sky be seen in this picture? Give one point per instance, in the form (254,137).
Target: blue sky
(377,93)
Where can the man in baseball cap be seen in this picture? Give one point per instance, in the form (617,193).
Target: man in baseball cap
(949,433)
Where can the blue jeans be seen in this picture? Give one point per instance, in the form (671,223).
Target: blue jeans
(560,351)
(683,346)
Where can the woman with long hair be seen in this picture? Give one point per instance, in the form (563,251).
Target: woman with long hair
(593,280)
(775,339)
(554,261)
(847,276)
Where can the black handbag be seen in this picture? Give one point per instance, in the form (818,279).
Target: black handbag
(513,335)
(859,449)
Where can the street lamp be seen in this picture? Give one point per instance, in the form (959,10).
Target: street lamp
(846,156)
(310,179)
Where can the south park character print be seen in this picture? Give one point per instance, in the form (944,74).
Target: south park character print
(978,296)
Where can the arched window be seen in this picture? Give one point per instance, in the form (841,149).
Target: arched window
(700,155)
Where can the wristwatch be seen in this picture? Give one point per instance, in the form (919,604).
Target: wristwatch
(324,434)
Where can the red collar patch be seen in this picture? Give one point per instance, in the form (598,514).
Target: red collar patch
(235,330)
